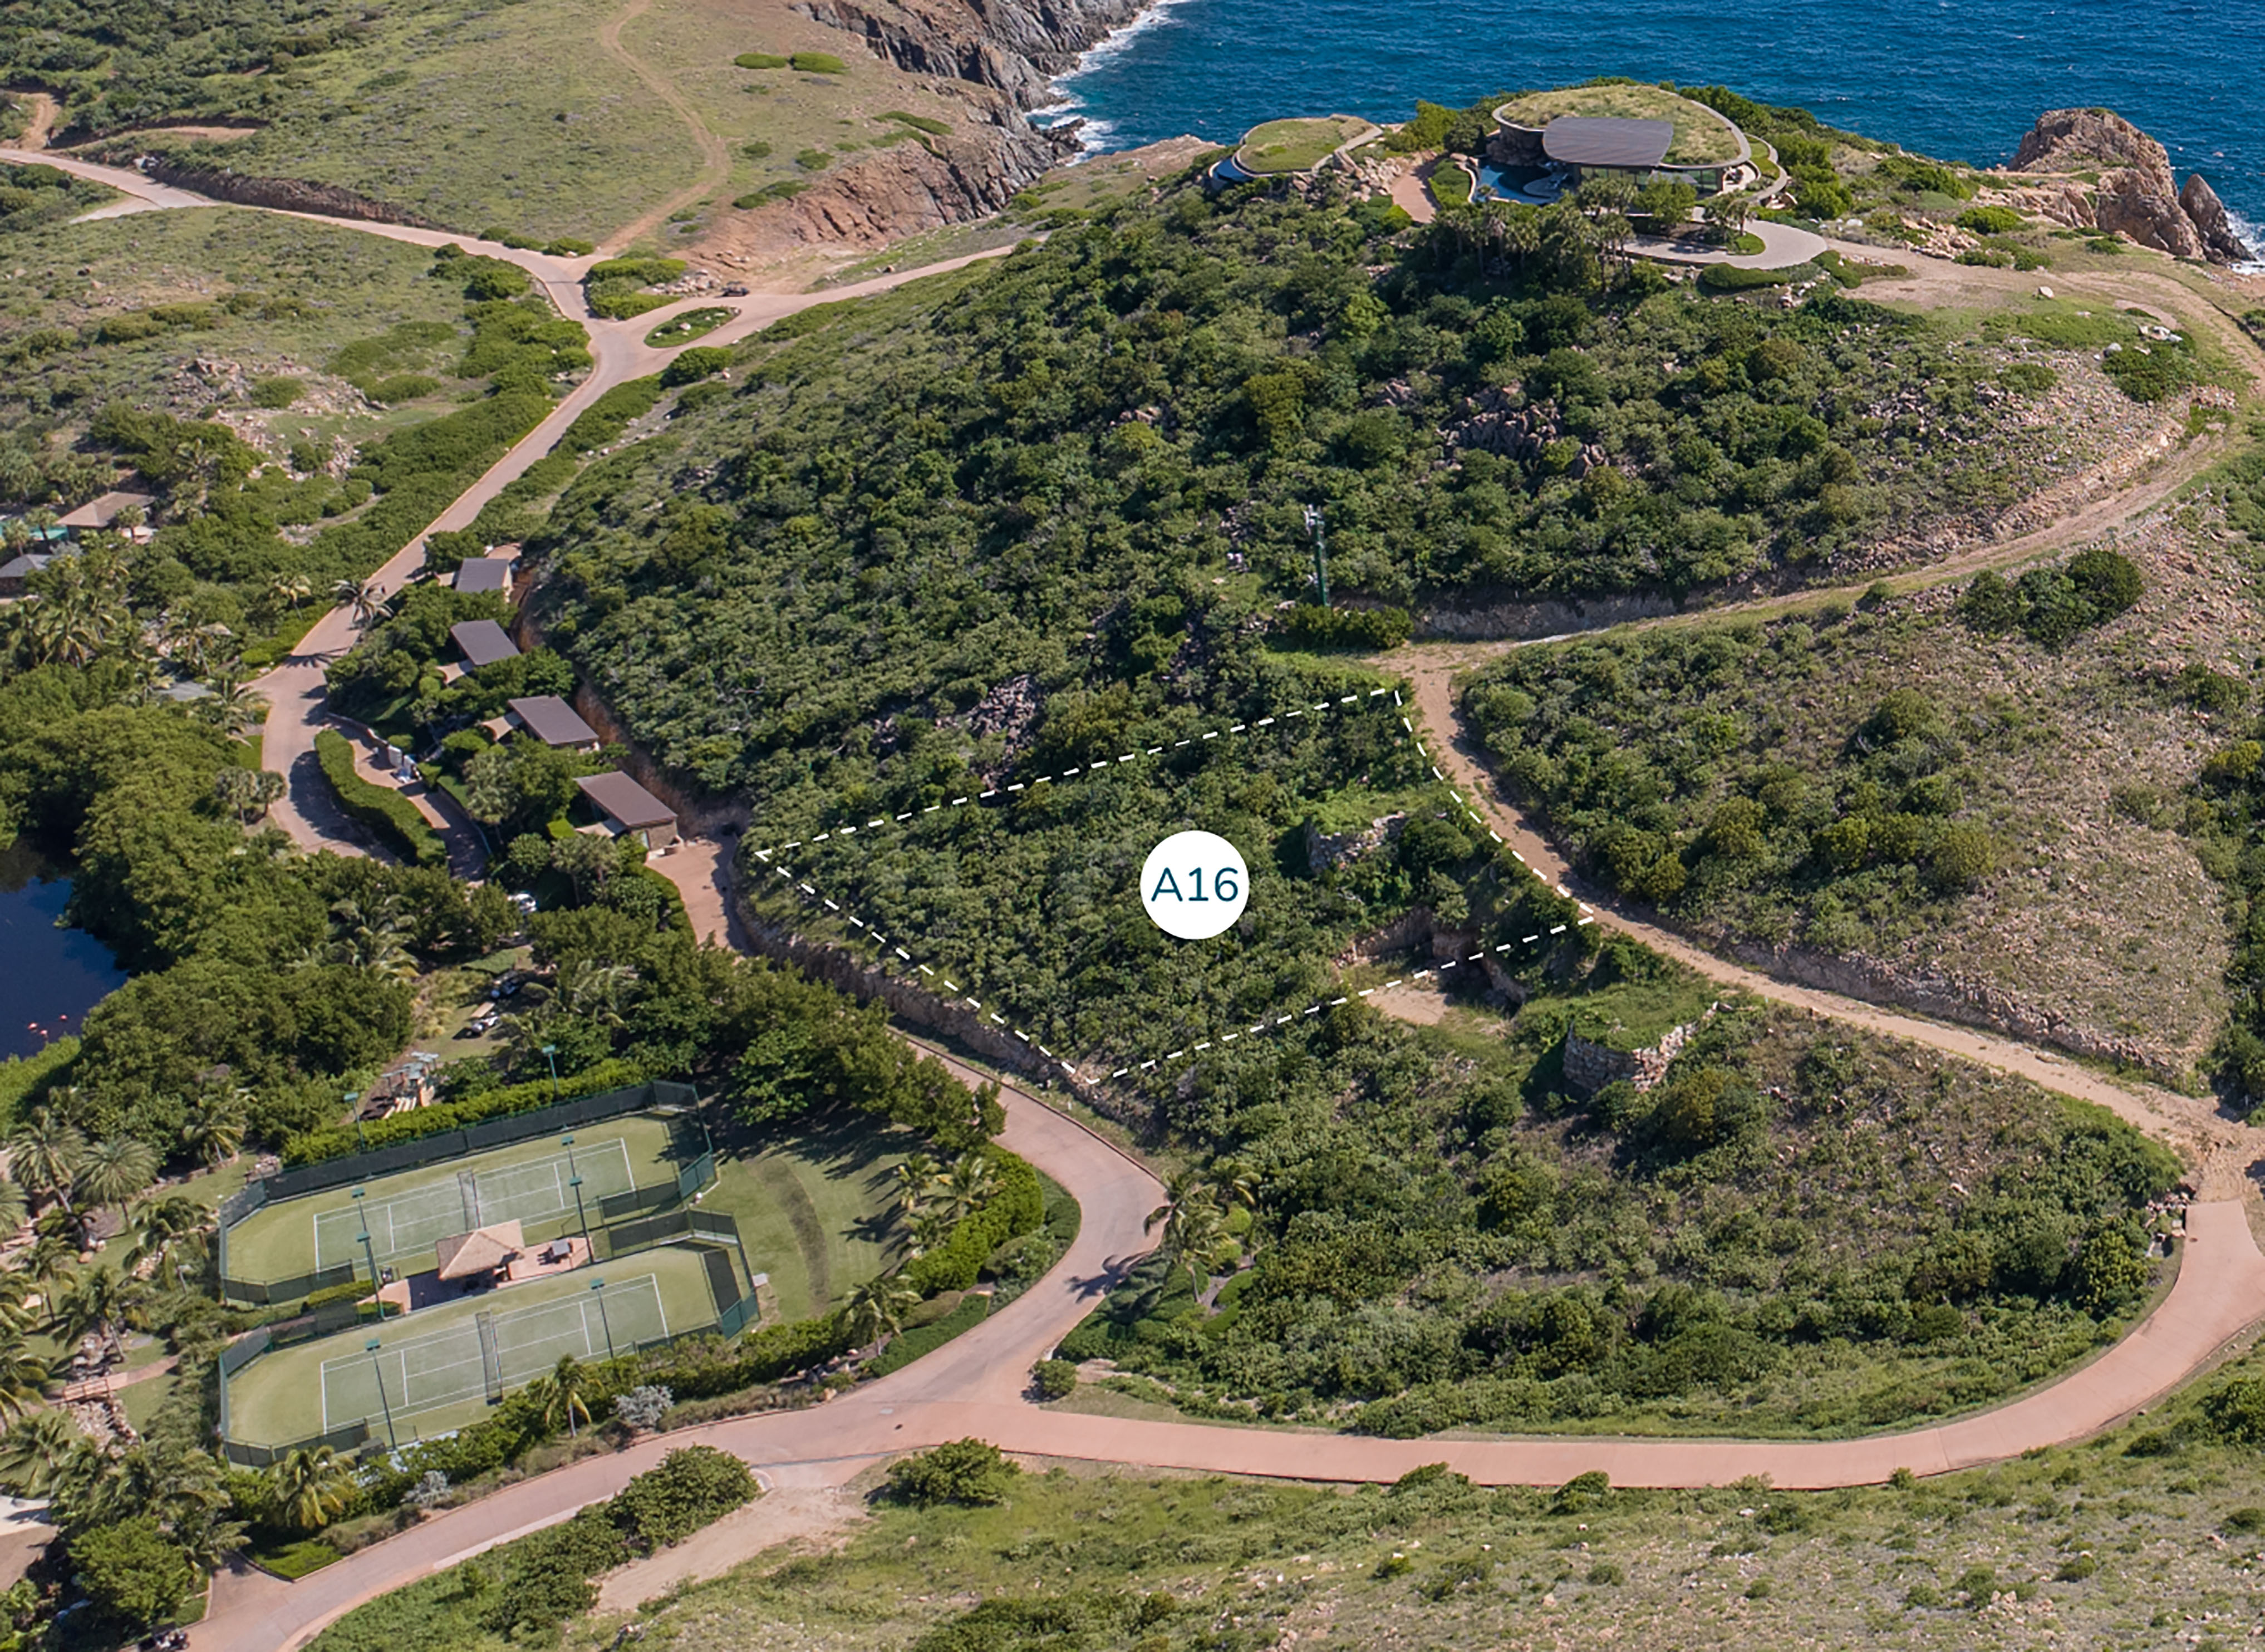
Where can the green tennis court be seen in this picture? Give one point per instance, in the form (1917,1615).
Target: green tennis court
(456,1200)
(407,1213)
(439,1366)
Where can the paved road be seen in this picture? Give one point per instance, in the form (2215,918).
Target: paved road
(973,1385)
(1783,246)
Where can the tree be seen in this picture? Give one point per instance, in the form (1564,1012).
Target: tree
(312,1487)
(290,590)
(12,1206)
(1726,216)
(365,600)
(22,1375)
(165,1223)
(132,1572)
(44,1152)
(970,1184)
(35,1448)
(641,1409)
(113,1170)
(1193,1225)
(248,793)
(876,1310)
(915,1176)
(564,1395)
(215,1125)
(99,1301)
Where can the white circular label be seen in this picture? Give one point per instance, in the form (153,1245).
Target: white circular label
(1194,885)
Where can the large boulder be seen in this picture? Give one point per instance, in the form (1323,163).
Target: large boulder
(2136,196)
(2207,212)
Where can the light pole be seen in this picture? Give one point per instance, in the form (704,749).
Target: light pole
(1314,527)
(598,1290)
(574,1180)
(550,1054)
(385,1404)
(368,1249)
(360,1135)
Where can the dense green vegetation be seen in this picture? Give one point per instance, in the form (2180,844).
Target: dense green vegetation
(392,817)
(1666,764)
(2142,1539)
(1448,1234)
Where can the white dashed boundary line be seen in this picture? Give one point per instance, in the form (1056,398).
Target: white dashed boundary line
(960,997)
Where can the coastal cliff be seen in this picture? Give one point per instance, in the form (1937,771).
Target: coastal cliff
(1003,60)
(2137,195)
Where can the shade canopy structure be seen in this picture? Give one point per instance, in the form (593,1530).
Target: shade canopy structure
(1608,140)
(482,1251)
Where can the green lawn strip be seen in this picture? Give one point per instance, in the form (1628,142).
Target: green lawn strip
(1292,145)
(1701,134)
(397,822)
(811,1205)
(693,323)
(277,1241)
(280,1397)
(903,1349)
(294,1561)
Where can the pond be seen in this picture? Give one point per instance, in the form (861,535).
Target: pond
(50,977)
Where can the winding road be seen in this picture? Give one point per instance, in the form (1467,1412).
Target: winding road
(975,1385)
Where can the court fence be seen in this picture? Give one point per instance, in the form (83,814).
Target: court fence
(675,1102)
(734,1289)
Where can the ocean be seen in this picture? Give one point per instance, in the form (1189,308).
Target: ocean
(1951,79)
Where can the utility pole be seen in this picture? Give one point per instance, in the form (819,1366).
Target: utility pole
(598,1290)
(550,1054)
(378,1372)
(367,1249)
(1314,527)
(574,1180)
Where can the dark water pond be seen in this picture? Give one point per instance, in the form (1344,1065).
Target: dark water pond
(50,977)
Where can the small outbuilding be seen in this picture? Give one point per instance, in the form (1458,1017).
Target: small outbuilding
(16,572)
(629,810)
(482,1253)
(485,574)
(552,721)
(483,643)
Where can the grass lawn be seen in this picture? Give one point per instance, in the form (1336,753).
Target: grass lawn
(1293,145)
(409,1211)
(815,1201)
(1701,134)
(431,1363)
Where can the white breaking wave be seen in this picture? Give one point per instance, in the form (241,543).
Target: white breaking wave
(2252,237)
(1096,135)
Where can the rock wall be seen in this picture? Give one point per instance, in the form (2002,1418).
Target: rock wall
(286,194)
(1013,46)
(1590,1066)
(2136,196)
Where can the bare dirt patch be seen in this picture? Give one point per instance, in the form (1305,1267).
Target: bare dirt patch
(814,1519)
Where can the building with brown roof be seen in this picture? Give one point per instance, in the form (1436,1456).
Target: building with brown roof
(629,810)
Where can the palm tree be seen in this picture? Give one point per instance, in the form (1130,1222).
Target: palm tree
(12,1206)
(35,1448)
(876,1310)
(290,590)
(564,1393)
(97,1302)
(165,1223)
(930,1227)
(234,705)
(22,1375)
(1193,1227)
(44,1152)
(312,1485)
(365,600)
(595,991)
(915,1177)
(112,1171)
(215,1126)
(969,1184)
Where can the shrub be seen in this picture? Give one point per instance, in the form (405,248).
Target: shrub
(1734,278)
(694,1487)
(2235,1411)
(2027,378)
(1311,626)
(757,151)
(277,391)
(392,816)
(132,1572)
(969,1472)
(1054,1379)
(818,63)
(785,189)
(1450,184)
(692,365)
(315,1146)
(2076,1569)
(1016,1207)
(400,387)
(813,160)
(929,123)
(761,59)
(2151,372)
(604,419)
(1991,220)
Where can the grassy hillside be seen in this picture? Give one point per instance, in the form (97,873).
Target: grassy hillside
(2144,1538)
(1906,783)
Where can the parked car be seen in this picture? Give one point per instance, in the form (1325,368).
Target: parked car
(737,289)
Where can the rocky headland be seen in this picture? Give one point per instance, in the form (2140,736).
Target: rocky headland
(2091,168)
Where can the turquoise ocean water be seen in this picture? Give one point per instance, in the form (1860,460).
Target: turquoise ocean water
(1959,80)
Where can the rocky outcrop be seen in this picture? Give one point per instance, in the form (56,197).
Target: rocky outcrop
(1016,47)
(2138,196)
(913,187)
(2207,212)
(283,194)
(1590,1066)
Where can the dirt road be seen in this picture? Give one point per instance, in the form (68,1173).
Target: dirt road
(715,158)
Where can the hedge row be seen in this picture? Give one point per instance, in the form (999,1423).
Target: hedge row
(392,816)
(1734,278)
(336,1141)
(1313,626)
(1018,1206)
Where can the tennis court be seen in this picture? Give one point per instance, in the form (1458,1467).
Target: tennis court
(495,1352)
(410,1210)
(412,1221)
(441,1365)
